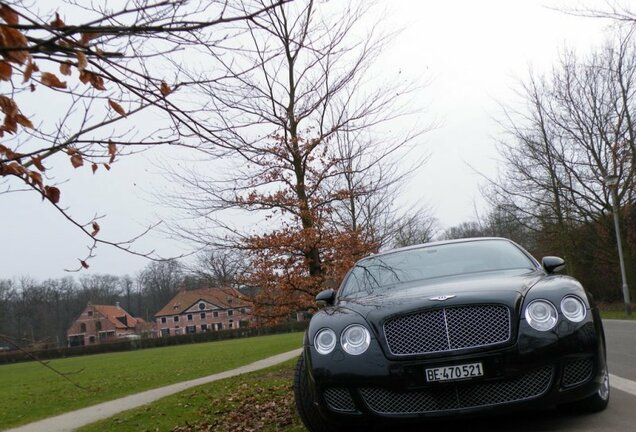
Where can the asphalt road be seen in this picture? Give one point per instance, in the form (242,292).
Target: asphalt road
(620,416)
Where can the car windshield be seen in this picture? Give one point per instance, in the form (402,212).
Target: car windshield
(376,274)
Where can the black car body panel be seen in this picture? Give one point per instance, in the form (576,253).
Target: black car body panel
(522,367)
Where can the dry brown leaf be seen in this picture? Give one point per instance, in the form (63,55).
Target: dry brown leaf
(12,38)
(112,151)
(9,15)
(12,168)
(87,37)
(37,161)
(57,22)
(82,62)
(8,106)
(28,71)
(52,193)
(77,160)
(5,71)
(10,125)
(118,108)
(92,78)
(36,179)
(65,69)
(165,88)
(23,121)
(51,80)
(84,264)
(95,229)
(94,167)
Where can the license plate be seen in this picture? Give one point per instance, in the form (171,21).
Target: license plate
(457,372)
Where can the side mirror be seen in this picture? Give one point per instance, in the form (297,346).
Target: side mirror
(326,298)
(552,264)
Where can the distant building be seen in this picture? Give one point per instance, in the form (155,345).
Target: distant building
(203,310)
(106,323)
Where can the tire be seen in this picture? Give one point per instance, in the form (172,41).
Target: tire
(591,404)
(305,399)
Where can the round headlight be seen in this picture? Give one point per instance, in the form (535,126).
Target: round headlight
(573,308)
(325,341)
(355,339)
(541,315)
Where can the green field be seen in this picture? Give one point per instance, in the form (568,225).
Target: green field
(617,315)
(31,392)
(259,401)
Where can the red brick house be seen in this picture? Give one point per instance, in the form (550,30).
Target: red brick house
(105,323)
(203,310)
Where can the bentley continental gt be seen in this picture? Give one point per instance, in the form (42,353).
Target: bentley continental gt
(460,327)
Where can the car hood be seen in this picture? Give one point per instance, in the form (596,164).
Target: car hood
(503,287)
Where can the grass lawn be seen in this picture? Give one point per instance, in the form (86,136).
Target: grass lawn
(31,392)
(617,315)
(616,311)
(260,401)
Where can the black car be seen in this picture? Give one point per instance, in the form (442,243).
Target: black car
(457,327)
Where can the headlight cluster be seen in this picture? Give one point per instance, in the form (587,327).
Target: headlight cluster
(542,315)
(354,340)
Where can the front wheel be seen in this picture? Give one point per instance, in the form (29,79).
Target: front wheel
(306,401)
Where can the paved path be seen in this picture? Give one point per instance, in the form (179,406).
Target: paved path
(75,419)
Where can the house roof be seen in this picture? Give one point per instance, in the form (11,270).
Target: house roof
(224,298)
(116,315)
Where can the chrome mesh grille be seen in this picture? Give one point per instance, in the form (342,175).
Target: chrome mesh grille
(577,372)
(529,386)
(448,329)
(339,399)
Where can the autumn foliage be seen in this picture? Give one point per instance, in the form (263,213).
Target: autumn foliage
(22,72)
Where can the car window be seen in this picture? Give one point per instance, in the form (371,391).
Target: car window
(377,273)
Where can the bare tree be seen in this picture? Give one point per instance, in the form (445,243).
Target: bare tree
(576,131)
(289,104)
(110,69)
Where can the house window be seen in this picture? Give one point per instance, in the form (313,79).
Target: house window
(165,332)
(177,332)
(230,312)
(191,329)
(204,327)
(98,326)
(82,328)
(176,318)
(201,306)
(215,314)
(243,311)
(244,324)
(202,315)
(189,317)
(89,313)
(91,339)
(219,326)
(163,320)
(231,324)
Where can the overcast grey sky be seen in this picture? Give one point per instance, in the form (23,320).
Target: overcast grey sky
(470,52)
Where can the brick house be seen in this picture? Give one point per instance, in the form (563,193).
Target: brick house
(203,310)
(105,323)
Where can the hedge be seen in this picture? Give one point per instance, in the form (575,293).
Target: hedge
(130,345)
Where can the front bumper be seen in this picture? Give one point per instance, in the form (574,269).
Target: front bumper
(538,370)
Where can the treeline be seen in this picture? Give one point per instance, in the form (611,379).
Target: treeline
(40,312)
(592,258)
